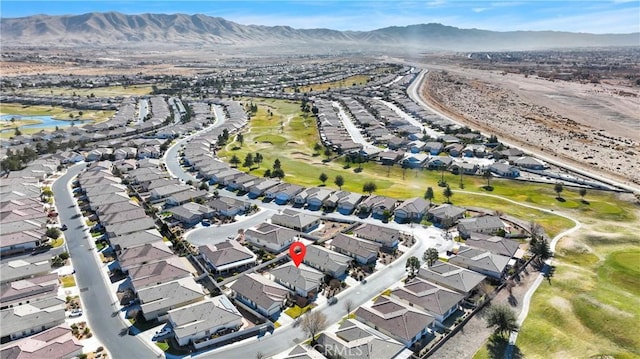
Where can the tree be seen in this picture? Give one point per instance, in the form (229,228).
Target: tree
(240,138)
(248,161)
(235,161)
(204,186)
(430,256)
(323,177)
(486,174)
(312,323)
(258,158)
(339,181)
(47,192)
(278,172)
(535,230)
(276,164)
(317,148)
(348,305)
(583,192)
(558,189)
(17,132)
(53,233)
(503,319)
(428,195)
(413,264)
(267,173)
(369,187)
(542,250)
(447,192)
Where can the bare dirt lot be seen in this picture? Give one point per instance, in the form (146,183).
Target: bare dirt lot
(594,126)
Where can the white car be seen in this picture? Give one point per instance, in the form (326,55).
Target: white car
(75,313)
(162,332)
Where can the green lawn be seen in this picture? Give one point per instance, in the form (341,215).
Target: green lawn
(57,243)
(163,345)
(347,82)
(68,281)
(109,91)
(57,112)
(295,311)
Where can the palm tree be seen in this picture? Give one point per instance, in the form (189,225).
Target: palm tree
(486,174)
(339,181)
(503,319)
(430,256)
(535,230)
(428,195)
(542,250)
(413,264)
(323,178)
(447,192)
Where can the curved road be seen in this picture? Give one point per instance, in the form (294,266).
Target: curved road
(101,311)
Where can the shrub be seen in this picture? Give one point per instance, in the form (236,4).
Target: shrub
(64,256)
(219,279)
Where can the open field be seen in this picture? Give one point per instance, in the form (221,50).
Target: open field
(109,91)
(347,82)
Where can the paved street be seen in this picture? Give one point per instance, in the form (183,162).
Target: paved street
(98,303)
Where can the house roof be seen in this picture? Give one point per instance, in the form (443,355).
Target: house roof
(132,226)
(125,216)
(395,317)
(28,289)
(147,253)
(226,252)
(385,235)
(451,276)
(159,272)
(169,294)
(373,202)
(447,211)
(260,290)
(479,258)
(293,219)
(479,224)
(57,342)
(136,239)
(271,233)
(328,260)
(24,267)
(16,238)
(356,340)
(199,317)
(357,246)
(493,244)
(117,207)
(427,296)
(32,315)
(414,205)
(303,277)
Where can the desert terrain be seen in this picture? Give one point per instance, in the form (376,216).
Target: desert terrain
(593,126)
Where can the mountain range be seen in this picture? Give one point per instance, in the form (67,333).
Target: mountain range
(120,30)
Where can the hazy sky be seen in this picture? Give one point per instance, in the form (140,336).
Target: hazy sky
(612,16)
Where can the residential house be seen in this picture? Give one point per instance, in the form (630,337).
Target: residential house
(33,317)
(191,213)
(23,241)
(504,170)
(298,221)
(454,149)
(377,205)
(122,228)
(260,293)
(415,160)
(135,239)
(303,280)
(147,253)
(481,224)
(204,320)
(345,202)
(119,217)
(183,197)
(439,163)
(529,163)
(271,237)
(302,351)
(437,301)
(314,197)
(363,251)
(494,244)
(157,301)
(387,237)
(416,146)
(465,168)
(327,261)
(228,207)
(434,148)
(57,342)
(445,215)
(24,267)
(226,256)
(451,276)
(259,188)
(354,339)
(411,210)
(396,319)
(481,261)
(156,273)
(283,193)
(166,191)
(24,291)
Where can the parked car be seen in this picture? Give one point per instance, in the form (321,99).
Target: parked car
(206,223)
(332,300)
(64,227)
(162,332)
(75,313)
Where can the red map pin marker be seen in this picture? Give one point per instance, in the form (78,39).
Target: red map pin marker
(297,250)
